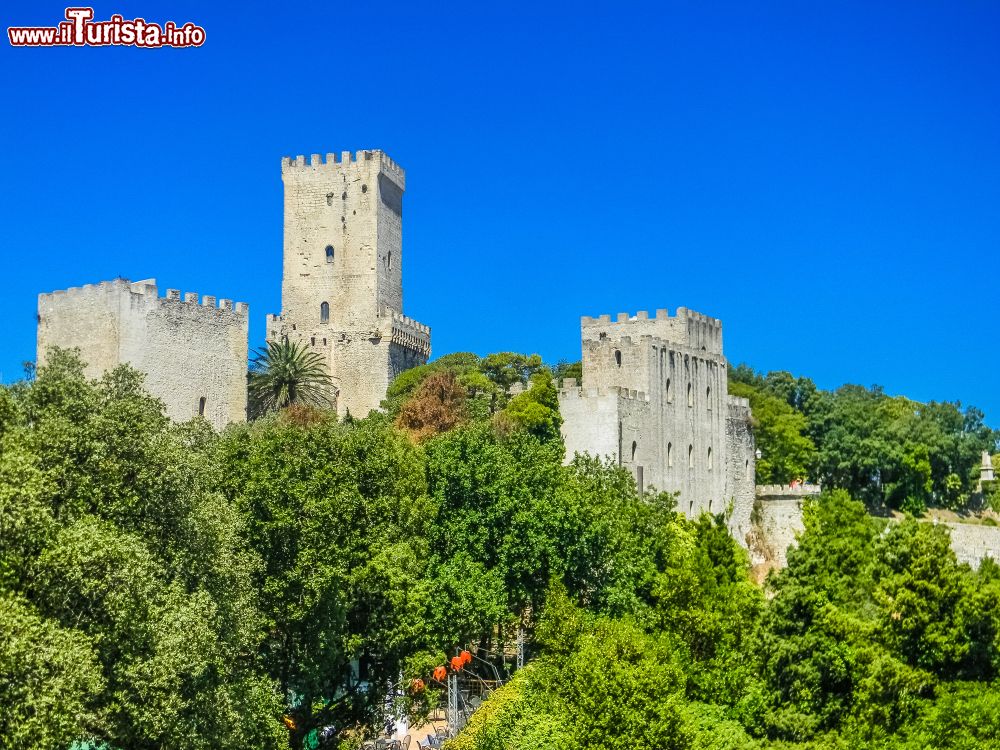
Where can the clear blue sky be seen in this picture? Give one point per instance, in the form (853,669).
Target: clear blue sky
(823,177)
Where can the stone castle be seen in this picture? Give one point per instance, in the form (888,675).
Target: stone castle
(342,297)
(342,286)
(655,398)
(654,391)
(193,354)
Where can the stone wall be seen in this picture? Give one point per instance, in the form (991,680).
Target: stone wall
(193,353)
(342,283)
(777,522)
(973,542)
(654,397)
(741,467)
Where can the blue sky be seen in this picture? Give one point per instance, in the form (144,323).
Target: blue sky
(825,178)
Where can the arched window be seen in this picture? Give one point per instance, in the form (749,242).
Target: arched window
(201,406)
(690,395)
(709,459)
(708,397)
(690,456)
(634,446)
(670,394)
(329,253)
(618,357)
(670,454)
(324,312)
(388,260)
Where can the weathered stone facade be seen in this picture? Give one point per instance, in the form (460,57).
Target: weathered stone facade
(342,288)
(655,398)
(778,522)
(194,355)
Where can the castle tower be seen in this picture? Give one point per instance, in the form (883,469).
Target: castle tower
(193,351)
(655,398)
(342,285)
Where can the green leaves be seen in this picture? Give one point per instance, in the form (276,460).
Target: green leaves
(337,514)
(285,373)
(787,453)
(127,557)
(50,680)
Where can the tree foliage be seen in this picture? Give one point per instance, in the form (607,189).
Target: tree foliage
(286,373)
(277,585)
(887,451)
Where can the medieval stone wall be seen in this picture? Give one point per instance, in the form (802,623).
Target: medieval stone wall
(741,465)
(654,397)
(972,543)
(193,353)
(778,522)
(342,289)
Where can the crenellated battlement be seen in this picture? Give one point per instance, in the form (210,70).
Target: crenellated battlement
(407,323)
(685,328)
(332,162)
(148,290)
(191,348)
(569,388)
(739,408)
(409,333)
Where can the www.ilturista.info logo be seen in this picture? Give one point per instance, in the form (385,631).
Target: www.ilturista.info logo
(80,30)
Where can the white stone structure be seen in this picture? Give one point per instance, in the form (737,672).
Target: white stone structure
(342,287)
(655,398)
(986,468)
(777,522)
(194,355)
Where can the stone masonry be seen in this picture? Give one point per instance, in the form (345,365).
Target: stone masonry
(194,355)
(342,288)
(654,397)
(778,522)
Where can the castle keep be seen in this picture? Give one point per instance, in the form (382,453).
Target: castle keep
(342,286)
(193,354)
(342,297)
(655,398)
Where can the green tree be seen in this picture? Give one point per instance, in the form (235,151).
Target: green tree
(336,513)
(498,502)
(779,430)
(537,409)
(286,373)
(120,538)
(50,680)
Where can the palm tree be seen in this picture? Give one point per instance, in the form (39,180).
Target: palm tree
(285,373)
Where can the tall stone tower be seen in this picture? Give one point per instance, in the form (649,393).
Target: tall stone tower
(655,398)
(342,287)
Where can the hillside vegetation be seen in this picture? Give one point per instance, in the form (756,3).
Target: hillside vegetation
(163,586)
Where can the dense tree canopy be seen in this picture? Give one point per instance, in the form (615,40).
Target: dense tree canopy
(279,584)
(887,451)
